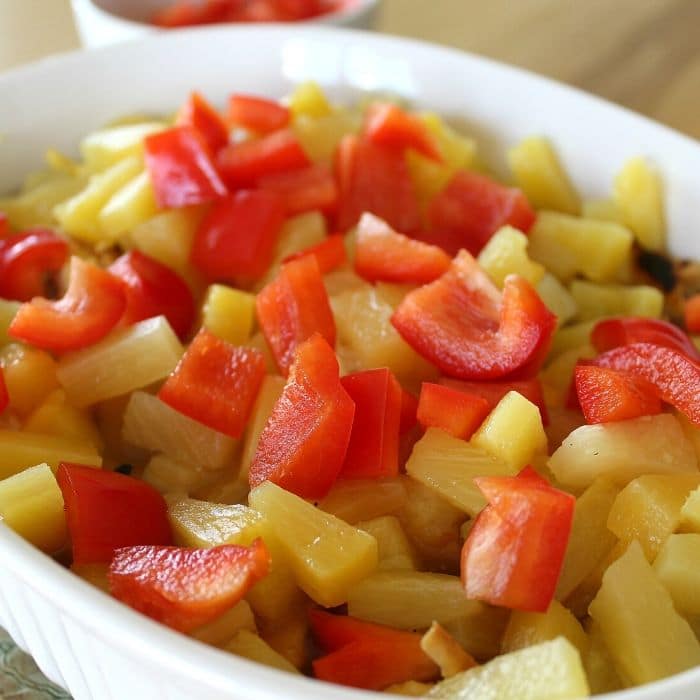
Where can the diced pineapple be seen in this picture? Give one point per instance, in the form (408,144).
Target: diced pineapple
(648,509)
(221,630)
(558,375)
(458,151)
(539,173)
(60,163)
(125,360)
(557,299)
(678,568)
(548,671)
(394,549)
(571,337)
(429,177)
(110,416)
(102,149)
(327,555)
(566,245)
(623,451)
(691,431)
(601,209)
(129,206)
(343,279)
(353,500)
(8,309)
(446,651)
(319,136)
(30,376)
(229,313)
(288,635)
(168,475)
(308,99)
(259,343)
(448,465)
(600,669)
(506,254)
(96,575)
(32,505)
(251,646)
(690,512)
(599,300)
(647,638)
(514,447)
(229,490)
(411,689)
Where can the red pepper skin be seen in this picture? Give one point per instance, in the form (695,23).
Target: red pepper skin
(381,254)
(453,411)
(186,13)
(153,289)
(409,412)
(302,448)
(235,242)
(292,307)
(4,225)
(330,254)
(27,259)
(90,308)
(257,113)
(200,115)
(186,588)
(515,550)
(373,451)
(463,325)
(606,395)
(472,208)
(307,189)
(4,396)
(181,168)
(215,383)
(691,314)
(107,510)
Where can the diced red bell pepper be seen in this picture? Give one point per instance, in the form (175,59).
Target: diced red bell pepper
(365,655)
(515,550)
(292,307)
(187,13)
(215,383)
(29,261)
(4,225)
(153,289)
(257,113)
(200,115)
(236,240)
(181,168)
(107,510)
(306,189)
(409,412)
(388,125)
(381,254)
(453,411)
(691,314)
(373,451)
(244,164)
(606,395)
(186,588)
(374,179)
(302,447)
(4,396)
(615,332)
(90,308)
(472,208)
(329,253)
(463,325)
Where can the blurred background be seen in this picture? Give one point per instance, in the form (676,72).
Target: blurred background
(643,54)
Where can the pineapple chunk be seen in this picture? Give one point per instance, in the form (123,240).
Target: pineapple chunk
(601,209)
(411,689)
(220,631)
(571,337)
(678,568)
(557,299)
(600,669)
(249,645)
(559,373)
(458,151)
(8,309)
(343,279)
(125,360)
(129,206)
(497,437)
(690,512)
(288,635)
(105,147)
(446,651)
(548,671)
(429,177)
(30,376)
(308,99)
(623,451)
(506,254)
(448,465)
(167,475)
(648,509)
(394,549)
(599,300)
(647,638)
(96,575)
(327,555)
(32,505)
(229,313)
(353,500)
(319,136)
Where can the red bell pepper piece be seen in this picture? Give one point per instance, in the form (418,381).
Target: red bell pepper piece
(186,588)
(606,395)
(90,308)
(615,332)
(4,396)
(153,289)
(292,307)
(453,411)
(330,253)
(181,168)
(306,189)
(28,261)
(374,179)
(381,254)
(244,164)
(365,655)
(302,447)
(409,412)
(236,240)
(257,113)
(373,451)
(472,208)
(4,225)
(691,314)
(463,325)
(107,510)
(187,13)
(515,550)
(215,383)
(202,117)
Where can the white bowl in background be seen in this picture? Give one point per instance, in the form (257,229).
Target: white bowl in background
(82,639)
(103,22)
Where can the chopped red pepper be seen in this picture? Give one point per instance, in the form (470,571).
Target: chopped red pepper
(4,225)
(463,325)
(186,13)
(381,254)
(215,383)
(329,253)
(409,412)
(200,115)
(90,308)
(107,510)
(4,396)
(453,411)
(186,588)
(691,314)
(257,114)
(303,444)
(181,169)
(515,550)
(292,307)
(153,289)
(306,189)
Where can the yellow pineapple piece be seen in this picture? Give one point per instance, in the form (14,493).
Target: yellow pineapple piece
(129,206)
(95,574)
(30,376)
(571,337)
(557,299)
(394,549)
(229,313)
(506,254)
(677,566)
(411,689)
(600,669)
(229,490)
(599,300)
(170,476)
(8,309)
(343,279)
(308,99)
(319,136)
(558,375)
(446,651)
(258,342)
(458,151)
(288,635)
(221,630)
(102,149)
(353,500)
(690,512)
(602,209)
(249,645)
(429,177)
